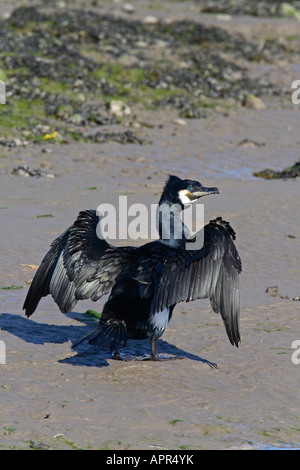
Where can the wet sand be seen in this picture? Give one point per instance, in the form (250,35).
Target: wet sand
(53,397)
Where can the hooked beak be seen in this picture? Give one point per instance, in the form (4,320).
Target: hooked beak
(201,191)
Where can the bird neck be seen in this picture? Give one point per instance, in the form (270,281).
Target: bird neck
(172,231)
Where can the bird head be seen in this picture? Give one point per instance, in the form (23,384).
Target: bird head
(184,192)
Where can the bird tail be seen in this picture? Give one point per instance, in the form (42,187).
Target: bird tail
(110,335)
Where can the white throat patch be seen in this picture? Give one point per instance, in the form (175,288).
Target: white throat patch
(184,198)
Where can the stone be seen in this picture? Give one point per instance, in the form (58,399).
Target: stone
(149,19)
(128,7)
(180,122)
(286,9)
(47,150)
(253,102)
(119,109)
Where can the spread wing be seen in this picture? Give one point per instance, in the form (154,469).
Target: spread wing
(211,272)
(79,265)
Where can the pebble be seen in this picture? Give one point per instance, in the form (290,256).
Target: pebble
(13,143)
(223,17)
(77,119)
(128,60)
(142,44)
(253,102)
(149,19)
(136,125)
(24,170)
(248,143)
(128,7)
(120,137)
(272,290)
(81,97)
(18,142)
(119,109)
(287,9)
(180,122)
(47,150)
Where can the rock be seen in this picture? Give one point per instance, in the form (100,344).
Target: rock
(128,7)
(81,97)
(126,137)
(149,19)
(119,109)
(141,44)
(64,111)
(248,143)
(286,9)
(180,122)
(77,119)
(24,170)
(136,125)
(47,150)
(78,84)
(223,17)
(13,143)
(128,60)
(289,172)
(18,142)
(272,290)
(253,102)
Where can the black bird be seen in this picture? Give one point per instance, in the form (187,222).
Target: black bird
(145,283)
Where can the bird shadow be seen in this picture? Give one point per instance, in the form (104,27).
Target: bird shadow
(34,332)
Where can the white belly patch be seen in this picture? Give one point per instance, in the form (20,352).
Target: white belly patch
(160,319)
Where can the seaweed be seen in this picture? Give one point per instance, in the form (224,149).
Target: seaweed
(290,172)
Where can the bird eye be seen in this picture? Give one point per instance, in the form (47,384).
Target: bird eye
(190,188)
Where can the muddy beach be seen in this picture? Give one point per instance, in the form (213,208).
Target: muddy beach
(53,397)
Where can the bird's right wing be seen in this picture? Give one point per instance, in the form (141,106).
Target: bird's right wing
(211,272)
(79,265)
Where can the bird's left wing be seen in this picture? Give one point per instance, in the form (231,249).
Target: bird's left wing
(212,272)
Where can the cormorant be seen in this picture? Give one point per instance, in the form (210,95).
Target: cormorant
(145,283)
